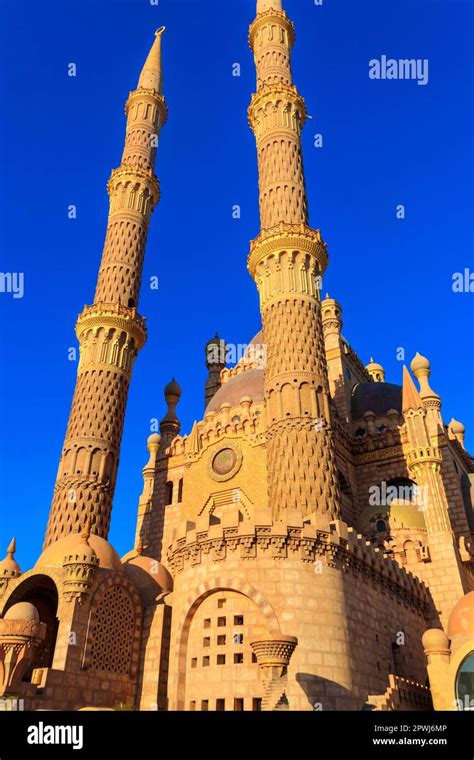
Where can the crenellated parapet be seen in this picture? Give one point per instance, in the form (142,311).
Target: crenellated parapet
(333,544)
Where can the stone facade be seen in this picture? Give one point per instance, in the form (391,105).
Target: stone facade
(307,545)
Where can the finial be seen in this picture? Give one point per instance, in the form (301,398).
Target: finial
(12,548)
(151,75)
(86,531)
(421,368)
(170,422)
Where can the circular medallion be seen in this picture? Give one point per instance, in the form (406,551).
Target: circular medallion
(226,463)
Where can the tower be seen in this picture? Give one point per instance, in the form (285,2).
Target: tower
(287,260)
(110,331)
(444,572)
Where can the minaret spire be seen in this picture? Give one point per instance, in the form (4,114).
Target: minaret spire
(287,261)
(111,332)
(151,76)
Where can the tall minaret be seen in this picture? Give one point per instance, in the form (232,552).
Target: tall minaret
(287,260)
(111,332)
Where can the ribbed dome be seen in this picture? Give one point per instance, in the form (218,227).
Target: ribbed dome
(375,397)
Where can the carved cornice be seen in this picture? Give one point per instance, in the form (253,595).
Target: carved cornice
(112,315)
(152,96)
(289,237)
(271,15)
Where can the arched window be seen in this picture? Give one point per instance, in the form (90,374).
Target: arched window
(465,684)
(180,490)
(168,493)
(381,526)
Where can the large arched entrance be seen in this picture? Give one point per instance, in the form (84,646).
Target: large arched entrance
(41,591)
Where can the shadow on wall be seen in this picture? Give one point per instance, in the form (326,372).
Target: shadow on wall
(323,694)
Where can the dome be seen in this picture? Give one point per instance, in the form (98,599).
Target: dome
(147,573)
(54,555)
(173,389)
(435,639)
(22,611)
(153,440)
(461,619)
(457,427)
(249,383)
(419,362)
(375,397)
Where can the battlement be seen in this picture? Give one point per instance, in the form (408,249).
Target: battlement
(332,543)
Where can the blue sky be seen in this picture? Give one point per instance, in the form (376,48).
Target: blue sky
(384,143)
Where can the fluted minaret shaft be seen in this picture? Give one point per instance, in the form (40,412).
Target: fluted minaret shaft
(286,261)
(277,115)
(110,332)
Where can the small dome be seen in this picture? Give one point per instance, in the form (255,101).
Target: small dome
(153,440)
(54,555)
(419,362)
(373,365)
(22,611)
(435,639)
(461,619)
(147,573)
(173,389)
(457,427)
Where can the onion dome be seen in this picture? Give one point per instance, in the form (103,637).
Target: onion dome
(170,422)
(421,368)
(9,567)
(419,364)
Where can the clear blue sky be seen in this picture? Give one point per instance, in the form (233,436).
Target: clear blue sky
(385,143)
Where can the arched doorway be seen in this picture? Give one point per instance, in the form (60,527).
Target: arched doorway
(41,591)
(218,669)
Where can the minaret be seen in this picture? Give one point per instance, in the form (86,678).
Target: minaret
(215,363)
(111,332)
(444,571)
(287,260)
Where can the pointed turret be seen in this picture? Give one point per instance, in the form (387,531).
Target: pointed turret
(9,567)
(410,398)
(151,77)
